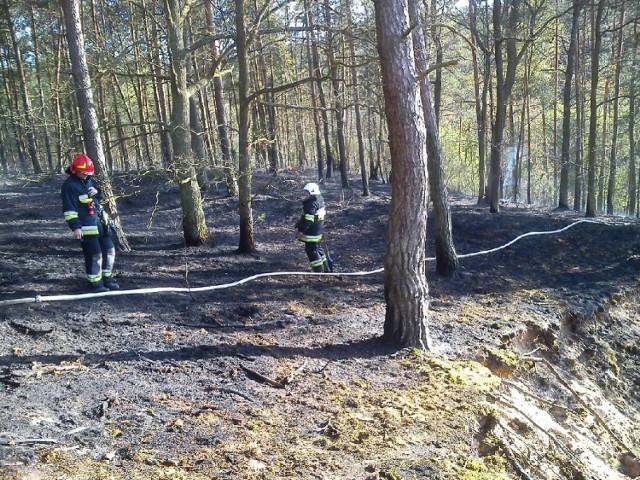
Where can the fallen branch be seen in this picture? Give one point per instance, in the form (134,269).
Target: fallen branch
(294,374)
(31,329)
(39,370)
(262,378)
(8,442)
(234,392)
(9,382)
(76,430)
(324,367)
(201,325)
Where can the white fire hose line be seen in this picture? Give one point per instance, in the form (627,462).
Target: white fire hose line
(83,296)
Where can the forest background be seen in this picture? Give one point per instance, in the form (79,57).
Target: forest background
(304,81)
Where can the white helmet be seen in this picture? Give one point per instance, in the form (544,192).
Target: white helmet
(312,188)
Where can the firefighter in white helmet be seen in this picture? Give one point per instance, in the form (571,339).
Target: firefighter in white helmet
(311,225)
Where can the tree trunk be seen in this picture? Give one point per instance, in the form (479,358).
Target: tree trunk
(593,108)
(266,107)
(437,44)
(446,258)
(579,134)
(603,156)
(613,159)
(27,111)
(480,100)
(86,104)
(406,289)
(317,75)
(221,114)
(356,105)
(247,242)
(194,225)
(197,144)
(505,78)
(338,104)
(633,183)
(556,74)
(160,102)
(42,111)
(139,87)
(314,72)
(57,103)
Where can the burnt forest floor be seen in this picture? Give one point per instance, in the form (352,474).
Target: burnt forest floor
(535,372)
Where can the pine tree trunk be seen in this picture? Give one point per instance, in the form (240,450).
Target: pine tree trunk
(632,179)
(356,101)
(613,159)
(247,242)
(593,111)
(406,289)
(41,98)
(312,60)
(27,111)
(446,258)
(194,225)
(221,114)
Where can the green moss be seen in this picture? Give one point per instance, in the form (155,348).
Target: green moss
(612,358)
(492,467)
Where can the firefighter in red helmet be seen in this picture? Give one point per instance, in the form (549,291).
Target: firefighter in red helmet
(85,217)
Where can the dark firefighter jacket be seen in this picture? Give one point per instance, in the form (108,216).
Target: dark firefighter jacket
(80,210)
(312,220)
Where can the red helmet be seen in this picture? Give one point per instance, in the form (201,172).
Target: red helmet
(82,163)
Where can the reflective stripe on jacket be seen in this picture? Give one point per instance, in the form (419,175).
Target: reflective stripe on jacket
(311,223)
(78,208)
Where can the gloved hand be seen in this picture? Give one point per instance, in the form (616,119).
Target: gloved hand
(92,191)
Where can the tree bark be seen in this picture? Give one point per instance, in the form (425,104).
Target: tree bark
(194,225)
(27,110)
(505,78)
(160,103)
(406,289)
(42,104)
(247,242)
(613,159)
(563,195)
(446,258)
(593,109)
(317,75)
(221,114)
(314,72)
(356,104)
(632,179)
(579,136)
(338,104)
(480,99)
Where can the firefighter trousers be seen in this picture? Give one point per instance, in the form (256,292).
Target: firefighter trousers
(99,256)
(317,258)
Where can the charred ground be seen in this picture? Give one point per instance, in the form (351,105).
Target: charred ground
(536,370)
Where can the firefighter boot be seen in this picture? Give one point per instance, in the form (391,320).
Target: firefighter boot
(97,287)
(110,283)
